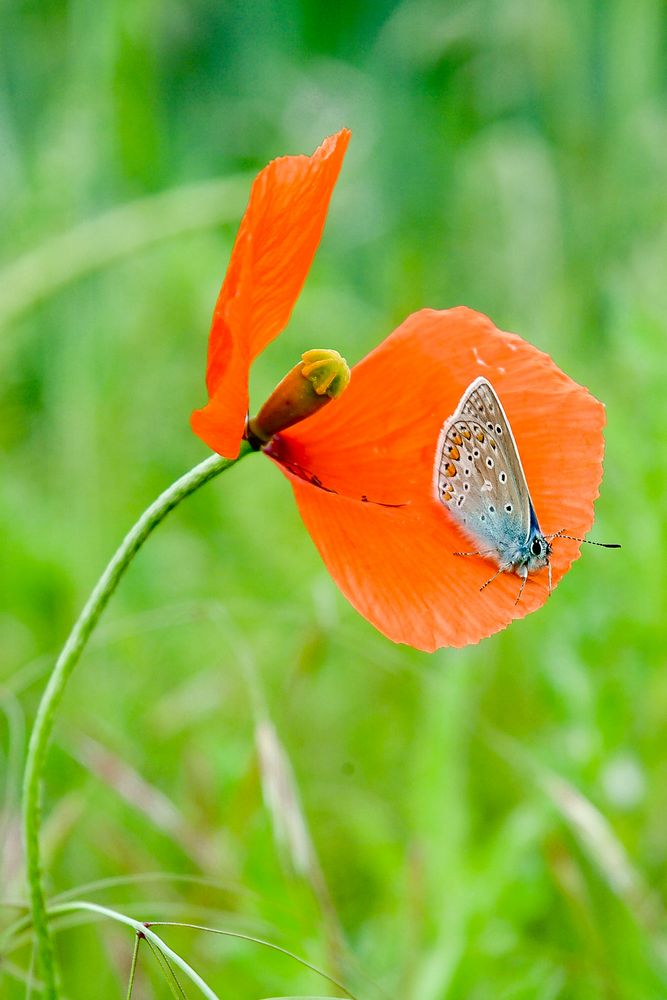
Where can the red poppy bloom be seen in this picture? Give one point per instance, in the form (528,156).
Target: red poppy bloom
(362,468)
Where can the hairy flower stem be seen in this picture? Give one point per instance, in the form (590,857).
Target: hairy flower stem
(48,706)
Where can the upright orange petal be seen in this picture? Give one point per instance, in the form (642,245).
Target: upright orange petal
(272,254)
(396,564)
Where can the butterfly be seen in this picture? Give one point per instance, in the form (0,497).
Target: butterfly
(480,480)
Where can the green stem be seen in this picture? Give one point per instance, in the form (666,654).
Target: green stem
(145,931)
(48,706)
(138,938)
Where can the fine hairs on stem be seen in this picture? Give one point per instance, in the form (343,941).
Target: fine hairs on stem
(48,706)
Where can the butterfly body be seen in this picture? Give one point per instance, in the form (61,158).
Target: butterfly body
(479,479)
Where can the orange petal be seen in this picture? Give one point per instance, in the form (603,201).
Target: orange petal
(396,564)
(272,254)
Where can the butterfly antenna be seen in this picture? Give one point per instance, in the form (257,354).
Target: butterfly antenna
(587,541)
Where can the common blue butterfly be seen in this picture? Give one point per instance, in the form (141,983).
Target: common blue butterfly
(480,480)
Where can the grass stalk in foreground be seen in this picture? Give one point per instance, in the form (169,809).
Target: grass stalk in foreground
(48,706)
(138,938)
(145,931)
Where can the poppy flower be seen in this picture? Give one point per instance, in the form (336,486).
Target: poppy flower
(362,470)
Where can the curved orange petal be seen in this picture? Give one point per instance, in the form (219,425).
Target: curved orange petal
(272,254)
(396,564)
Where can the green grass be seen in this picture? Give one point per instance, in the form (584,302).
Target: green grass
(487,824)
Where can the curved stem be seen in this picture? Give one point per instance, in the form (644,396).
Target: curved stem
(145,931)
(55,688)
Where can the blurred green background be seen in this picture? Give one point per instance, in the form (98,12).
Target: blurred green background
(478,824)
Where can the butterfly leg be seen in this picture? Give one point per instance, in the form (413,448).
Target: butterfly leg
(494,577)
(549,568)
(524,578)
(487,553)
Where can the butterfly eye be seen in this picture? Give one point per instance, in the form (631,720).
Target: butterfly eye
(536,547)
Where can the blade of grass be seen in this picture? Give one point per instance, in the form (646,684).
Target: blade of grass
(146,798)
(13,713)
(31,973)
(142,928)
(119,881)
(592,830)
(138,938)
(260,941)
(27,978)
(98,242)
(168,973)
(282,797)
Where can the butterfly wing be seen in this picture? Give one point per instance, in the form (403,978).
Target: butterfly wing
(478,473)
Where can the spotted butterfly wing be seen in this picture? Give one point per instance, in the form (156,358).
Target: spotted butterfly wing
(479,477)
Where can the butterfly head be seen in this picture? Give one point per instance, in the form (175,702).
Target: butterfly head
(531,557)
(539,550)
